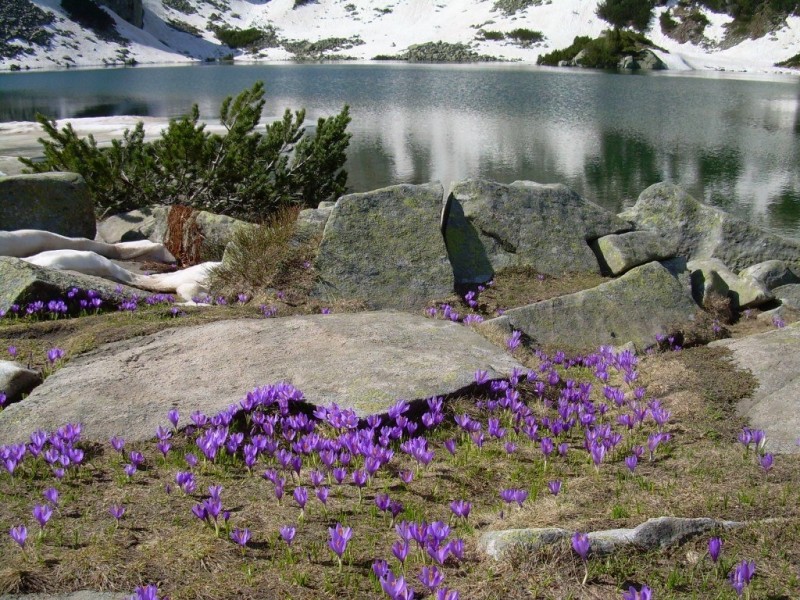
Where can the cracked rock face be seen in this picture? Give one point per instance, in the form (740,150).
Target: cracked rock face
(490,226)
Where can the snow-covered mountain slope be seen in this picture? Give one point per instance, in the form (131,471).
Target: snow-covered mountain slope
(368,28)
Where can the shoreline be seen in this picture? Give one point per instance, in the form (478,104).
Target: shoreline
(747,72)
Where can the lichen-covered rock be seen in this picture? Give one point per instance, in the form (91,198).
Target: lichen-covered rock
(789,295)
(621,252)
(386,247)
(148,223)
(490,226)
(653,534)
(16,380)
(641,304)
(743,290)
(773,358)
(21,282)
(771,274)
(363,361)
(55,202)
(695,230)
(311,221)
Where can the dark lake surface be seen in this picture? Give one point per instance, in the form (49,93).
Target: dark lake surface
(729,141)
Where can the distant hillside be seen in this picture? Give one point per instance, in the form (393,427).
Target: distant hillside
(704,34)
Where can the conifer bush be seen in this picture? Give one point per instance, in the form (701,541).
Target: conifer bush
(243,173)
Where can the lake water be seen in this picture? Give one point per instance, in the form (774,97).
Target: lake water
(731,142)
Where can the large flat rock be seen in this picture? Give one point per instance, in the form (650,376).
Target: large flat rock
(644,302)
(774,359)
(386,248)
(364,361)
(490,226)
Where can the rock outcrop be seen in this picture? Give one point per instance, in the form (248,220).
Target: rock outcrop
(620,253)
(490,226)
(386,248)
(644,302)
(774,359)
(363,361)
(695,230)
(23,282)
(55,202)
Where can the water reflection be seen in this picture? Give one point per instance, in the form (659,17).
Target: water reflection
(730,142)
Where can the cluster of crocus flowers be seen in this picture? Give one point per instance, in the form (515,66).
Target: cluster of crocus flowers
(76,302)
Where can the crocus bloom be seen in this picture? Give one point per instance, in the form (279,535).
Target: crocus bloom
(554,487)
(631,462)
(19,534)
(51,495)
(643,594)
(116,511)
(241,537)
(288,533)
(580,543)
(42,514)
(741,576)
(340,535)
(714,548)
(173,417)
(766,462)
(460,508)
(431,577)
(117,443)
(400,549)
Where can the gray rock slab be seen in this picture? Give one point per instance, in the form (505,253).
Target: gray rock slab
(55,202)
(135,225)
(386,248)
(653,534)
(743,290)
(695,230)
(771,274)
(774,359)
(490,226)
(789,295)
(622,252)
(311,221)
(16,380)
(644,302)
(364,361)
(21,282)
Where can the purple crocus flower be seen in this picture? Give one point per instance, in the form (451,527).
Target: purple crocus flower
(513,342)
(129,470)
(149,592)
(42,514)
(117,443)
(580,544)
(300,495)
(450,445)
(12,351)
(340,535)
(288,533)
(19,534)
(116,511)
(714,548)
(322,494)
(631,462)
(241,537)
(174,416)
(51,495)
(741,575)
(431,577)
(766,462)
(54,354)
(446,594)
(645,593)
(460,508)
(400,549)
(554,486)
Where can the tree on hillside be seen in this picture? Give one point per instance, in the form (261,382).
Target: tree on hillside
(626,13)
